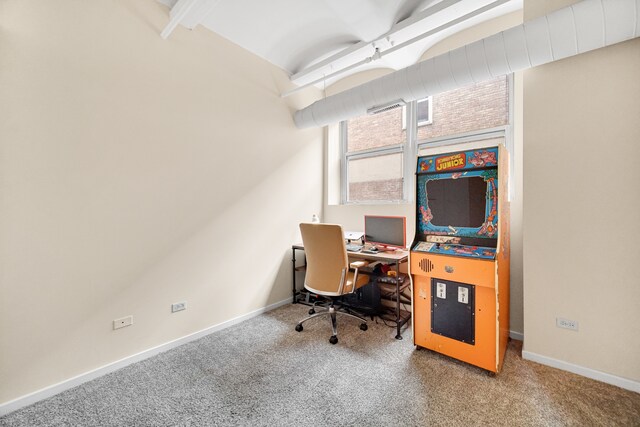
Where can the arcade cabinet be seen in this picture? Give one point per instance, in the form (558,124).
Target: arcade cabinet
(459,259)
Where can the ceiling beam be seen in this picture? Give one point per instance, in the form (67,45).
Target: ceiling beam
(379,53)
(189,13)
(446,25)
(367,44)
(198,13)
(178,12)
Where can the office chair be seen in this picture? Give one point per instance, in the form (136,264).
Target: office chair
(328,271)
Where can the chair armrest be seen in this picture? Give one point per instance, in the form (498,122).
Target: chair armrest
(358,264)
(355,265)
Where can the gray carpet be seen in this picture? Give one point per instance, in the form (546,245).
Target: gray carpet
(263,373)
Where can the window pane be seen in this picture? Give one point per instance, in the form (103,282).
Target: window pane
(375,178)
(474,107)
(423,112)
(376,130)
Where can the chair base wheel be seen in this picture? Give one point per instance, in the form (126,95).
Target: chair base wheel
(363,327)
(312,311)
(333,339)
(299,328)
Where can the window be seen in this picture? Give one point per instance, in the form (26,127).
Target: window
(423,112)
(477,114)
(375,178)
(468,109)
(378,157)
(373,160)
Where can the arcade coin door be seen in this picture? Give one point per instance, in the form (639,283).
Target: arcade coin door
(459,259)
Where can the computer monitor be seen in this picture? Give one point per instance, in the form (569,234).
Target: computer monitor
(385,230)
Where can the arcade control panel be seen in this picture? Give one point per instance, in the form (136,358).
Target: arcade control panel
(478,252)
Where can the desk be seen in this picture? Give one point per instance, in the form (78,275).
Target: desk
(392,257)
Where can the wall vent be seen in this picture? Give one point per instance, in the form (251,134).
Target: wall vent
(386,107)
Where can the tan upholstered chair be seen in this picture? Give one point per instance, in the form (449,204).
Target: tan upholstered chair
(328,271)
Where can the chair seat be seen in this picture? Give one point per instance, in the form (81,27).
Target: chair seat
(363,279)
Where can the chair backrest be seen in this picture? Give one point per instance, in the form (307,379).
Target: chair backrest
(326,254)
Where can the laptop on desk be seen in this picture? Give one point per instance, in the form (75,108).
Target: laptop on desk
(353,235)
(349,236)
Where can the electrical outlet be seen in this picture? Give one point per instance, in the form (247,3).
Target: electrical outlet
(566,324)
(122,322)
(179,306)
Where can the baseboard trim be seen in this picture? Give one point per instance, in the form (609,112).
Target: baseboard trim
(516,335)
(624,383)
(52,390)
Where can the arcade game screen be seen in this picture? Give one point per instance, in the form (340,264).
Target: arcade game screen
(461,202)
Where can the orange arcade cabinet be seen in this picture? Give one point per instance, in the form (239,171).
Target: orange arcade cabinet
(459,259)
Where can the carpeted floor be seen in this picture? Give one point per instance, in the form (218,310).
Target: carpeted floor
(263,373)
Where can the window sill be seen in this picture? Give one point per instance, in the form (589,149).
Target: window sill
(377,202)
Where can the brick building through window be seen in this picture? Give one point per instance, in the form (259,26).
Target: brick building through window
(374,145)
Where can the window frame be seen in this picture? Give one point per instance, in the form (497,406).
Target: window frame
(405,149)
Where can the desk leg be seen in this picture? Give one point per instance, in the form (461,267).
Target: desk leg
(293,269)
(398,336)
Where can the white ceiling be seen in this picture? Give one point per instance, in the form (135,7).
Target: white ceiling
(314,40)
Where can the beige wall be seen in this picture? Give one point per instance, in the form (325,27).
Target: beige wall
(351,216)
(582,197)
(136,172)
